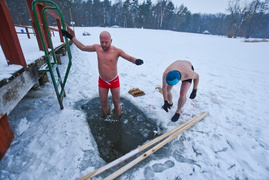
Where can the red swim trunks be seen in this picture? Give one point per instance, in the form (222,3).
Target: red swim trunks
(114,83)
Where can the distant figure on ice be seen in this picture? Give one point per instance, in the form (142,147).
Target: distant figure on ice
(107,56)
(178,71)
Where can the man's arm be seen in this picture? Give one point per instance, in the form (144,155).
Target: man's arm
(126,56)
(82,47)
(164,88)
(195,85)
(166,105)
(130,58)
(196,81)
(77,42)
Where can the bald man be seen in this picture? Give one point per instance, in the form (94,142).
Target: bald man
(107,56)
(175,72)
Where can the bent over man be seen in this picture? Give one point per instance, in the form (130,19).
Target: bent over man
(178,71)
(107,56)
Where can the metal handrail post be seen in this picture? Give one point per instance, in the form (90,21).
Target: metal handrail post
(62,84)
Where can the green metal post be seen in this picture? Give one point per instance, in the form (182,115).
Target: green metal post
(60,94)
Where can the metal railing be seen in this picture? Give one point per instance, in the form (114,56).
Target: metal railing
(52,65)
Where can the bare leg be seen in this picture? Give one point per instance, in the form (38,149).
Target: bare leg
(103,94)
(116,101)
(182,99)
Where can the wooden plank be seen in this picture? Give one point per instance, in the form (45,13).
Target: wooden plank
(155,148)
(13,89)
(16,89)
(132,153)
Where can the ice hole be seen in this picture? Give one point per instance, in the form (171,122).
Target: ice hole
(114,137)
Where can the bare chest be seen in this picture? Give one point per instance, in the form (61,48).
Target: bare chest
(107,58)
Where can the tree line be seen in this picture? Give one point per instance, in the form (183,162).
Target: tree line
(242,19)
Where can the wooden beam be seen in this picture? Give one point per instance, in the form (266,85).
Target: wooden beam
(38,38)
(60,28)
(12,92)
(8,37)
(155,148)
(136,151)
(6,135)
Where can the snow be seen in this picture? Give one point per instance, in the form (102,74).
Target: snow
(22,127)
(230,143)
(30,51)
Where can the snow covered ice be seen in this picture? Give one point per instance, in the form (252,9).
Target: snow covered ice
(232,142)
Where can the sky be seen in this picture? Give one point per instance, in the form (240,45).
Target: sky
(205,6)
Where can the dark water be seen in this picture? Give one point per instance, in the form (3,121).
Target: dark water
(114,137)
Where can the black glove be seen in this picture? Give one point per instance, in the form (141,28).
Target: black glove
(67,34)
(175,117)
(193,94)
(139,62)
(166,106)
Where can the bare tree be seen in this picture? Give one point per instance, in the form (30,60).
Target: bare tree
(246,15)
(161,8)
(238,15)
(256,10)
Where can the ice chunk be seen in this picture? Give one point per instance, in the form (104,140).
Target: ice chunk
(22,127)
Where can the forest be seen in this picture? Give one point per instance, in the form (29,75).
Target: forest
(242,19)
